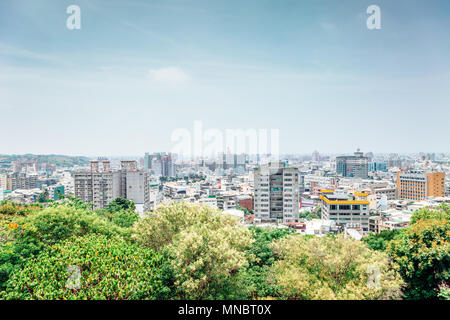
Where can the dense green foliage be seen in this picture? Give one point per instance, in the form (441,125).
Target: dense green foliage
(423,255)
(334,268)
(120,212)
(205,248)
(379,241)
(37,231)
(246,211)
(15,209)
(260,280)
(316,213)
(421,252)
(187,251)
(439,213)
(43,196)
(109,268)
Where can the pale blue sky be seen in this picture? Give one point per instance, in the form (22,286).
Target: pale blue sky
(139,69)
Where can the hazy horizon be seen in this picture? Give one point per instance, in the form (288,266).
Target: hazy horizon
(135,156)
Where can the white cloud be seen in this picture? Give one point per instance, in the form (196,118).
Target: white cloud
(170,75)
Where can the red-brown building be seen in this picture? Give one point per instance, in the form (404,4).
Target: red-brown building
(245,202)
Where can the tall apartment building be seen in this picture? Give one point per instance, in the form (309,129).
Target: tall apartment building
(135,185)
(416,185)
(276,193)
(18,180)
(101,184)
(162,165)
(4,181)
(147,161)
(355,166)
(347,211)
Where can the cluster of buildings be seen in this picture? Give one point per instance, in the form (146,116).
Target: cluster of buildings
(101,184)
(160,164)
(24,180)
(318,194)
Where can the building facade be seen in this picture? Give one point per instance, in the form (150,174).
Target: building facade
(346,211)
(276,193)
(355,166)
(416,185)
(18,180)
(101,184)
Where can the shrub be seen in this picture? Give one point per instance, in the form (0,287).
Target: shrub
(206,249)
(423,256)
(45,228)
(109,268)
(333,268)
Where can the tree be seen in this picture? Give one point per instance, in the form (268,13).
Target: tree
(125,218)
(439,213)
(246,211)
(72,202)
(120,212)
(259,275)
(206,249)
(43,196)
(90,267)
(119,204)
(423,256)
(333,268)
(379,241)
(45,228)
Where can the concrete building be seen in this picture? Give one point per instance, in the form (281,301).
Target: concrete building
(101,184)
(378,166)
(19,180)
(147,161)
(55,192)
(352,166)
(347,211)
(416,185)
(163,165)
(4,181)
(276,193)
(229,160)
(226,201)
(245,201)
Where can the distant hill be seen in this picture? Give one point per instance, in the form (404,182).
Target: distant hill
(55,159)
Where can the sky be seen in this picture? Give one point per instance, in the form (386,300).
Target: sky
(138,70)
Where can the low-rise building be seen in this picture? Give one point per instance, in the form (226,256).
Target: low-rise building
(346,210)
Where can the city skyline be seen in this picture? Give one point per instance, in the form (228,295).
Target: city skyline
(300,154)
(139,70)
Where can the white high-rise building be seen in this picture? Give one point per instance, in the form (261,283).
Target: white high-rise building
(276,193)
